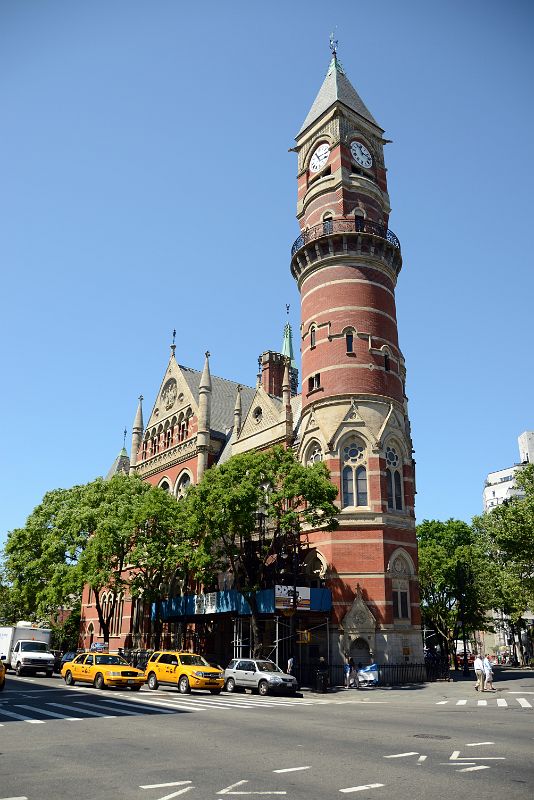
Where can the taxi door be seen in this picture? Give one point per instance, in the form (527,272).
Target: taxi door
(76,667)
(87,669)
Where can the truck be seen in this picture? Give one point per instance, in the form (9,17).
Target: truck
(26,649)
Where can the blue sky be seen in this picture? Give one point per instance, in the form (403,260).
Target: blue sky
(146,185)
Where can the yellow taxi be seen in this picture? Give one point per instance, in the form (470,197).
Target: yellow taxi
(102,669)
(185,670)
(2,675)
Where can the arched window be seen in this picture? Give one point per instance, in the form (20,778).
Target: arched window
(312,336)
(400,572)
(354,475)
(145,444)
(168,437)
(328,225)
(349,341)
(314,453)
(182,485)
(393,479)
(165,486)
(386,362)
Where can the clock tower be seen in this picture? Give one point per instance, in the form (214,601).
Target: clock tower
(346,263)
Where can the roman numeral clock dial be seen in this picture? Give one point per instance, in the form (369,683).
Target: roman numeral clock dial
(361,155)
(319,158)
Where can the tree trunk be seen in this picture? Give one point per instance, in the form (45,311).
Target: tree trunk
(256,644)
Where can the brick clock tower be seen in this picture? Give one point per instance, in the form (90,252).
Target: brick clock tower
(354,409)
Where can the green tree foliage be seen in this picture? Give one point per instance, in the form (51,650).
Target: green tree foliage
(456,580)
(245,513)
(508,535)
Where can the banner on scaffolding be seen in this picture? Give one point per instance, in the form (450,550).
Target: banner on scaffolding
(296,597)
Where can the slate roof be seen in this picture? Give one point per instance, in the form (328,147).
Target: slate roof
(336,87)
(121,465)
(223,394)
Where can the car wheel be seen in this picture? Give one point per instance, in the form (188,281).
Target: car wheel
(230,685)
(18,670)
(98,682)
(152,681)
(69,680)
(183,685)
(135,688)
(49,674)
(215,691)
(263,688)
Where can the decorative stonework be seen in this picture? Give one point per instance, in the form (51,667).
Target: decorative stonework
(169,393)
(358,623)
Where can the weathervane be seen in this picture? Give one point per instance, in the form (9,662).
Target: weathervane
(287,308)
(173,345)
(124,438)
(333,44)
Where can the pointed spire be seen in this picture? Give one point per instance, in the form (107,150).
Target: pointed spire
(237,414)
(287,345)
(205,379)
(336,88)
(137,435)
(173,345)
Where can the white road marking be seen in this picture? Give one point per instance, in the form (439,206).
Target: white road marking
(402,755)
(108,708)
(165,704)
(129,704)
(516,692)
(478,744)
(473,769)
(84,711)
(461,703)
(456,757)
(164,785)
(501,702)
(290,769)
(362,788)
(421,759)
(523,702)
(482,702)
(24,719)
(442,703)
(13,798)
(228,790)
(48,713)
(175,794)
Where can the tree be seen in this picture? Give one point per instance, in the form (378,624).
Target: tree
(455,580)
(41,559)
(248,512)
(507,533)
(159,553)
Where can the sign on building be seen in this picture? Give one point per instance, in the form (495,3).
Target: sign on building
(297,597)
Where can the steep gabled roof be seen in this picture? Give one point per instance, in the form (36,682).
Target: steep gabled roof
(336,88)
(223,395)
(120,466)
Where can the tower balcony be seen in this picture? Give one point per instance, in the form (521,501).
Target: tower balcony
(345,236)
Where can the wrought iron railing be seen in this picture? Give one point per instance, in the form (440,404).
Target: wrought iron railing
(344,225)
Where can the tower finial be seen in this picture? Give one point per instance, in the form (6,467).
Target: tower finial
(173,345)
(333,45)
(124,438)
(288,306)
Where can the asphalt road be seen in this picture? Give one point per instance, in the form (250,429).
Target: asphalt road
(439,741)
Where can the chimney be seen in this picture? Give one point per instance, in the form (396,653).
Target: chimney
(272,372)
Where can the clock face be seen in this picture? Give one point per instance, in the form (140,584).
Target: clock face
(361,155)
(319,158)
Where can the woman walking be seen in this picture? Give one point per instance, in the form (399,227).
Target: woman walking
(488,675)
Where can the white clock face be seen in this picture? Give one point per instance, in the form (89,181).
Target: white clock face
(361,155)
(319,158)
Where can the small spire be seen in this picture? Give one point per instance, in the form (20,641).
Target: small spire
(287,345)
(138,421)
(205,380)
(124,438)
(173,345)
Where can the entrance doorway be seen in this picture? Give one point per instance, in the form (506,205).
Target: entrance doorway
(360,652)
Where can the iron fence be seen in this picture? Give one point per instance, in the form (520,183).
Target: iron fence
(345,225)
(388,675)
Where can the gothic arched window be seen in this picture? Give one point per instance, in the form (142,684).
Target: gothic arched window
(314,453)
(354,475)
(184,482)
(393,479)
(312,336)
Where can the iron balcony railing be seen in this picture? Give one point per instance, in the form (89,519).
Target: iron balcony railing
(344,225)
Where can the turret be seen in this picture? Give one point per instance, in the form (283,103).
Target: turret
(137,435)
(204,416)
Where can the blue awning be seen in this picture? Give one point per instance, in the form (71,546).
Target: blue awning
(232,601)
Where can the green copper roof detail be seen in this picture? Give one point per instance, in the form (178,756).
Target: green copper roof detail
(287,345)
(336,88)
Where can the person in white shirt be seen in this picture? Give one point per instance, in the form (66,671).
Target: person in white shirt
(479,672)
(488,675)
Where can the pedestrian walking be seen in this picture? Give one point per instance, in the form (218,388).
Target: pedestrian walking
(479,672)
(290,665)
(488,674)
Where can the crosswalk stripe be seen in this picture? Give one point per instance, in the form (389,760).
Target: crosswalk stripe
(523,702)
(482,702)
(84,711)
(129,703)
(20,717)
(108,708)
(461,703)
(502,702)
(47,713)
(171,705)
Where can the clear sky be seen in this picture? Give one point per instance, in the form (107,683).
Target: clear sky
(146,185)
